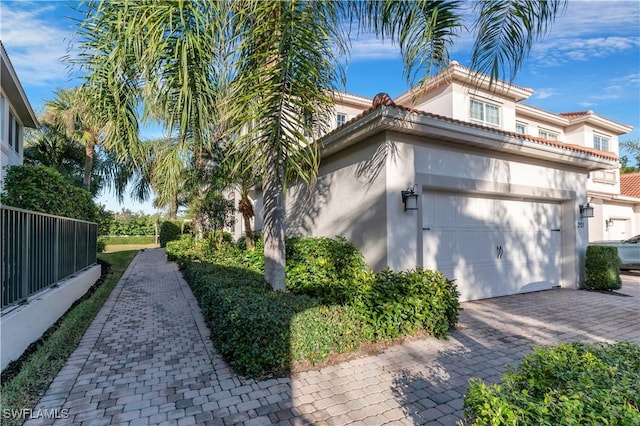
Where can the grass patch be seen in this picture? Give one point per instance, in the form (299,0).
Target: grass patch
(26,380)
(112,248)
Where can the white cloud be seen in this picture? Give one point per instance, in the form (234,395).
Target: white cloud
(35,42)
(369,47)
(544,93)
(590,29)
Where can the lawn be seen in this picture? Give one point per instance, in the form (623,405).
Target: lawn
(24,383)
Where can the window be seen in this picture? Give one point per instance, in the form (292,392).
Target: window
(485,113)
(341,119)
(601,142)
(14,133)
(548,134)
(11,130)
(521,128)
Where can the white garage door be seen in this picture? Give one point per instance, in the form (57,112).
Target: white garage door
(491,246)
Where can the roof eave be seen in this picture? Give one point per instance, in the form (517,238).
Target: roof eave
(404,121)
(12,87)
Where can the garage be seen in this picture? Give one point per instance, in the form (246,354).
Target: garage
(492,245)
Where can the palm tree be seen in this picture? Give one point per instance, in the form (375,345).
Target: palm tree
(71,112)
(280,60)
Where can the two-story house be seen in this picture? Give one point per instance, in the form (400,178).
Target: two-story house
(15,114)
(462,177)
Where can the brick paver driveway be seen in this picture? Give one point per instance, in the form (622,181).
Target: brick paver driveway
(147,359)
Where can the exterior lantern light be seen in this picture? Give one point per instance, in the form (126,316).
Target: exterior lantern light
(410,199)
(586,211)
(608,223)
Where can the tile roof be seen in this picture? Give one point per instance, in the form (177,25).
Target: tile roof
(382,99)
(575,114)
(630,184)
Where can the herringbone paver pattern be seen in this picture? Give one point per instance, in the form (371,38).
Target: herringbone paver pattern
(147,360)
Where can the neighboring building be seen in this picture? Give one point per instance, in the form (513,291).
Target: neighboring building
(500,185)
(619,212)
(346,107)
(15,114)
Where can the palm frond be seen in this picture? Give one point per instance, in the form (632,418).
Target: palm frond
(506,30)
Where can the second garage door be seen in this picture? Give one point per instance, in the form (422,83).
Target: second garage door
(492,246)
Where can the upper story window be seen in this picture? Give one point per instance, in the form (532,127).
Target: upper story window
(601,142)
(548,134)
(14,133)
(341,119)
(521,128)
(485,113)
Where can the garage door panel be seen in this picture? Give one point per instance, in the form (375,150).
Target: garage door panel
(492,246)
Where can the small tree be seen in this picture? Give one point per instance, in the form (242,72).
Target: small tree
(215,213)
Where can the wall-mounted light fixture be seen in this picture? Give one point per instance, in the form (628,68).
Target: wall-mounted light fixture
(586,211)
(608,223)
(410,199)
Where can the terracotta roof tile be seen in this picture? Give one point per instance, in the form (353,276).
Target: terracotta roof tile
(575,114)
(630,184)
(571,147)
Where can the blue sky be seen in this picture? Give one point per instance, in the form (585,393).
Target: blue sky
(590,60)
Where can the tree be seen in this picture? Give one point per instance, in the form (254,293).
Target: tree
(216,213)
(261,73)
(49,146)
(633,147)
(70,112)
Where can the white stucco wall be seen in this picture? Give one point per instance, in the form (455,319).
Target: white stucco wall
(348,200)
(491,174)
(625,214)
(26,323)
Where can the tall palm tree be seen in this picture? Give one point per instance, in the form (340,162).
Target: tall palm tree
(281,60)
(71,112)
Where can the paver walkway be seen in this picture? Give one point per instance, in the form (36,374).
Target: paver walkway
(147,359)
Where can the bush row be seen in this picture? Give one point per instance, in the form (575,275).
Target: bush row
(571,384)
(261,332)
(333,306)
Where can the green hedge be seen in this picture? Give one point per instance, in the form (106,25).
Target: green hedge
(602,268)
(334,305)
(323,267)
(169,231)
(261,332)
(572,384)
(135,239)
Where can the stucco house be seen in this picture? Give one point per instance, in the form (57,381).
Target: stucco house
(15,114)
(500,187)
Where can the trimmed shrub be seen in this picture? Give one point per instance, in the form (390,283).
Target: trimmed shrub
(398,303)
(335,304)
(169,231)
(134,239)
(261,332)
(602,268)
(43,189)
(323,267)
(101,245)
(571,384)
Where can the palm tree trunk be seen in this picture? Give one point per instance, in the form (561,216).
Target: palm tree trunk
(248,233)
(89,152)
(246,209)
(274,246)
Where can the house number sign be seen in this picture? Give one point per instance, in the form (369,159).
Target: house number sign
(580,224)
